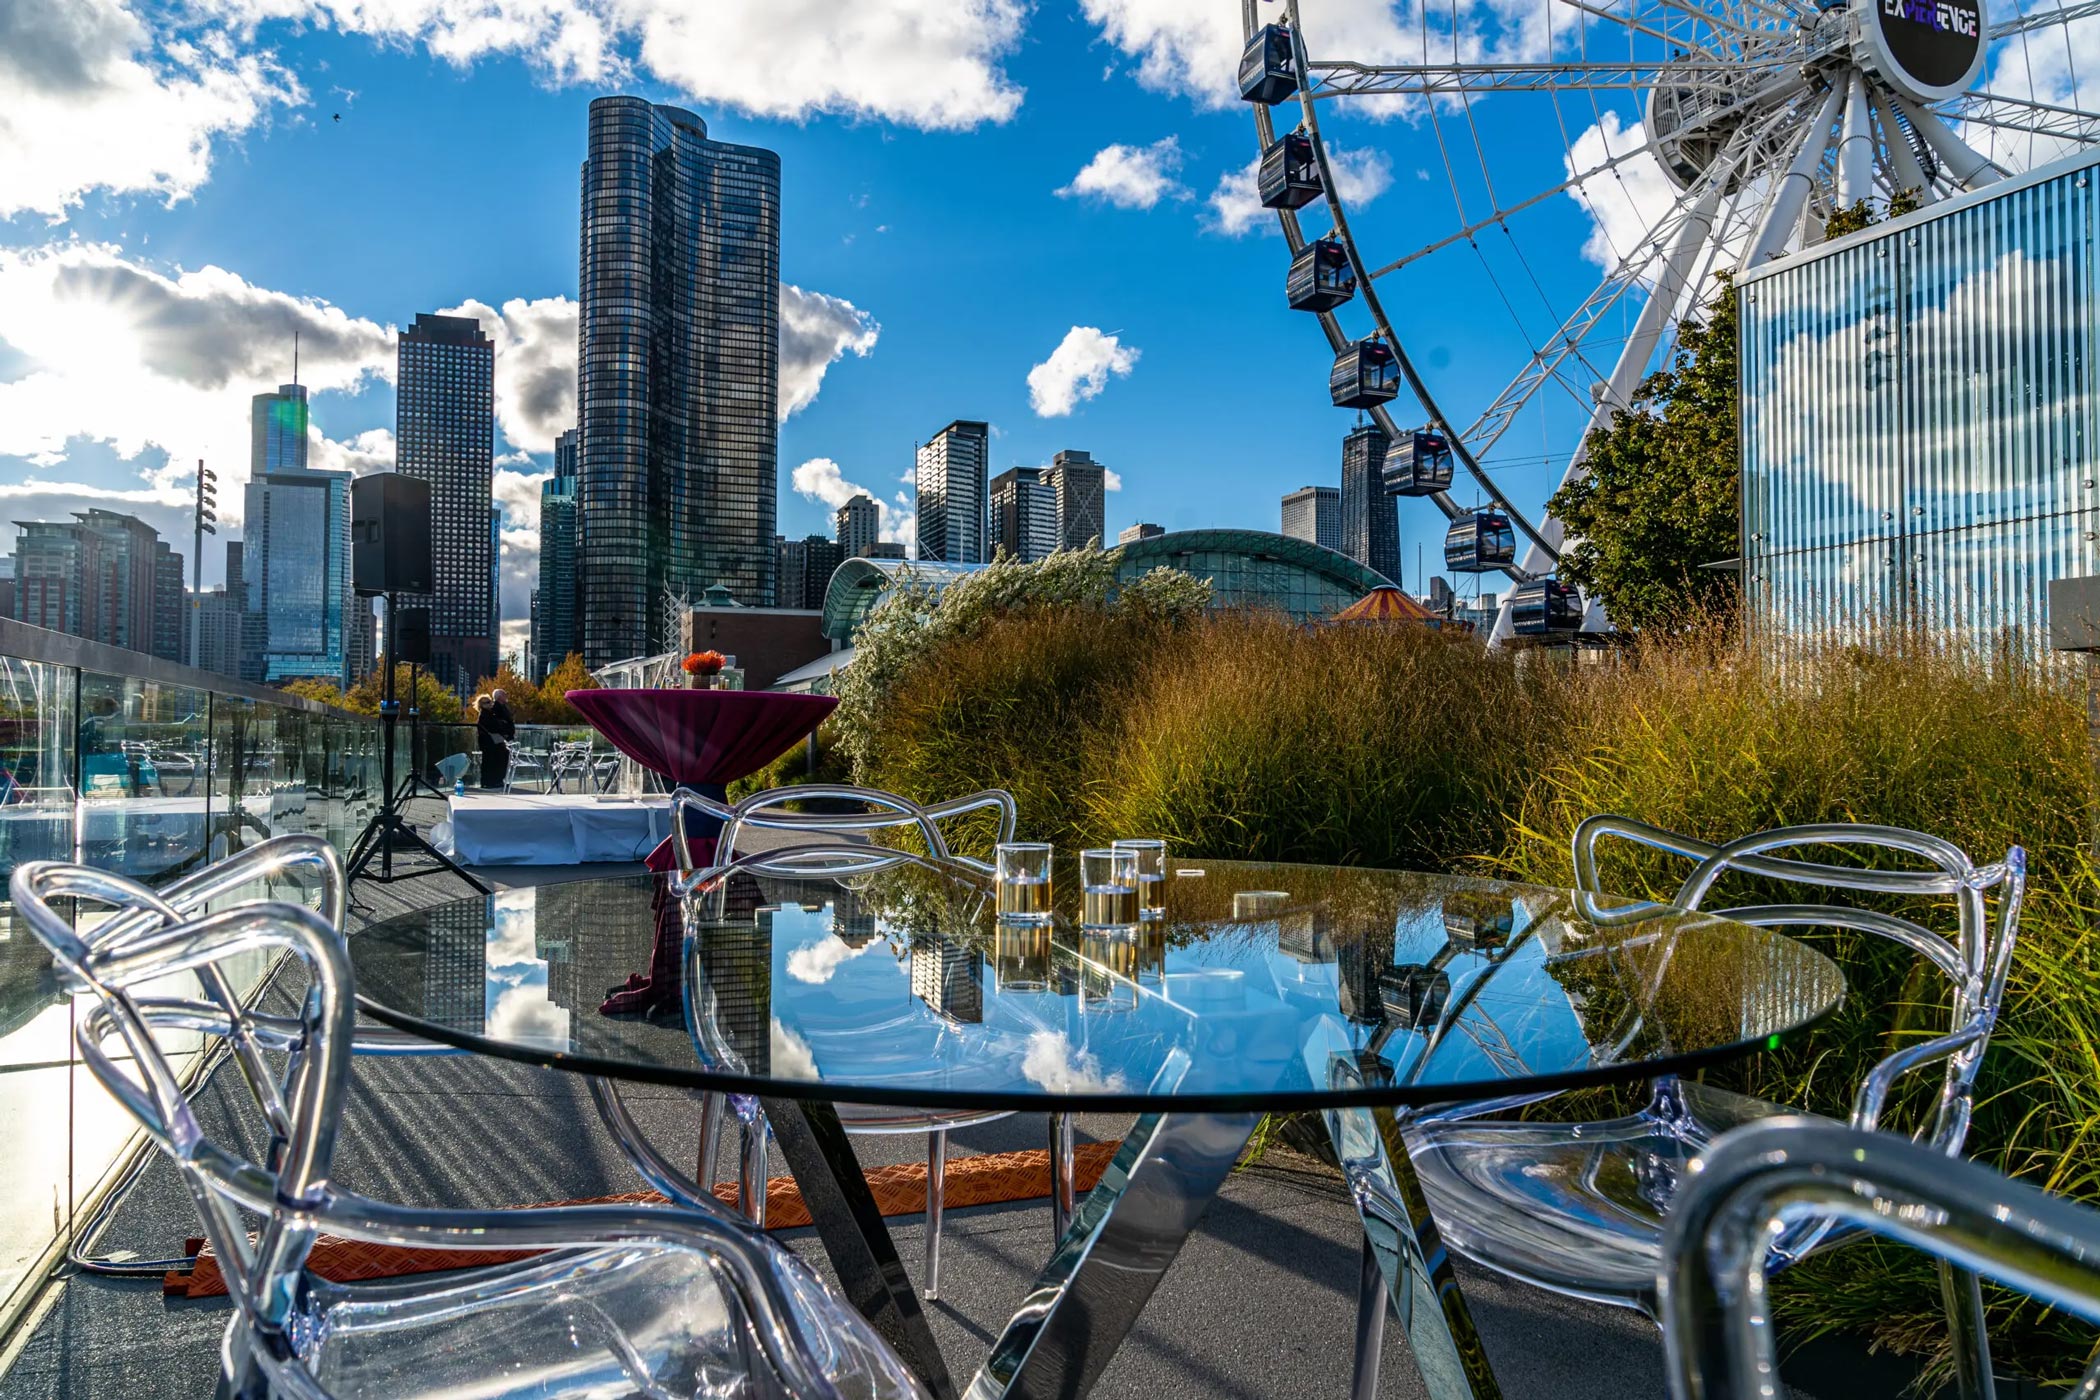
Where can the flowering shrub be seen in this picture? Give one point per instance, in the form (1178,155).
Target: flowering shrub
(916,619)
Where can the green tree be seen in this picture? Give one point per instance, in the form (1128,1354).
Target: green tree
(437,704)
(1659,496)
(570,674)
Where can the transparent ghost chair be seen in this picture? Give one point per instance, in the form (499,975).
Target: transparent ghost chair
(619,1299)
(1757,1184)
(1578,1207)
(825,853)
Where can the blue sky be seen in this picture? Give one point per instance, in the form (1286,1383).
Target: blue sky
(178,197)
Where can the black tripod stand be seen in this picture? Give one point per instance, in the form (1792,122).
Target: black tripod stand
(387,831)
(413,783)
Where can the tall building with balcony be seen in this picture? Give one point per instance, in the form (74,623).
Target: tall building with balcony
(444,434)
(859,526)
(1024,514)
(1370,519)
(1314,513)
(102,575)
(554,601)
(677,374)
(951,482)
(1080,485)
(296,558)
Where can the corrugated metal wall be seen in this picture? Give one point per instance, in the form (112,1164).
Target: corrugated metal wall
(1918,426)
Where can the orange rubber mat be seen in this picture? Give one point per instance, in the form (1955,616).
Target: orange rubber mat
(898,1190)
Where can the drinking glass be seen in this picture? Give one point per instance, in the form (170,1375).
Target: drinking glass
(1108,888)
(1151,874)
(1021,881)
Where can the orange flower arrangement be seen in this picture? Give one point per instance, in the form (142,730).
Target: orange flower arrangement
(704,663)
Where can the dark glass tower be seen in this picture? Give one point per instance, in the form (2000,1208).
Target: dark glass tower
(554,616)
(1370,518)
(678,372)
(444,431)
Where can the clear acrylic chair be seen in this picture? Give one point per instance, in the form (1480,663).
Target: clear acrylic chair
(826,853)
(1578,1208)
(622,1299)
(1757,1184)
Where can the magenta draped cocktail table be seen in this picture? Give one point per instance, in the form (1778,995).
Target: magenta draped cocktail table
(704,740)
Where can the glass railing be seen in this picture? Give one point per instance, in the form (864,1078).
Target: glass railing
(543,758)
(152,770)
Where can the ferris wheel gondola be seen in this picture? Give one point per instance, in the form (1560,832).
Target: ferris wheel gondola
(1763,118)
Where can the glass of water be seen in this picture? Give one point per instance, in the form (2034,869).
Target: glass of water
(1021,881)
(1108,888)
(1151,874)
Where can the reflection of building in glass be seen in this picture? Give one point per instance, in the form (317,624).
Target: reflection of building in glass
(944,975)
(733,965)
(1920,428)
(1362,959)
(1304,935)
(853,924)
(456,988)
(678,372)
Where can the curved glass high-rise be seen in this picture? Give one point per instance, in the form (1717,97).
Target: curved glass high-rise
(678,372)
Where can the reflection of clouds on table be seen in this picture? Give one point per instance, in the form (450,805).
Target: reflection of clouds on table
(814,963)
(1052,1065)
(519,1009)
(792,1057)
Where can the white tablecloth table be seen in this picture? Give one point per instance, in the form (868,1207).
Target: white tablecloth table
(523,828)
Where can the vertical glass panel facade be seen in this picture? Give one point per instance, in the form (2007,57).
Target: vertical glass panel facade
(1918,423)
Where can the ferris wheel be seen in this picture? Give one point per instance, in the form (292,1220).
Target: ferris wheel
(1752,121)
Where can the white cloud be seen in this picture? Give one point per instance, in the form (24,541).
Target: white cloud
(1078,370)
(1111,480)
(816,961)
(535,373)
(1623,203)
(143,361)
(91,98)
(815,331)
(919,63)
(1360,176)
(1191,48)
(369,451)
(1053,1063)
(821,479)
(1129,177)
(116,95)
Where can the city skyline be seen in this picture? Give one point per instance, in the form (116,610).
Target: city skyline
(1101,151)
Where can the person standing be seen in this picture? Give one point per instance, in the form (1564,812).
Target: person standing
(493,731)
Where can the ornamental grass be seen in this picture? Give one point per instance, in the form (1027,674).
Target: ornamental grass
(1241,736)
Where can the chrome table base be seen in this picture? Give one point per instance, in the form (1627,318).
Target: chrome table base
(1407,1269)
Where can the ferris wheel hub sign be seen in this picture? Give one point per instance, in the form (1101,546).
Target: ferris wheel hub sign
(1927,50)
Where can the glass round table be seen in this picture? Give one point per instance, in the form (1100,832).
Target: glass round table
(1255,988)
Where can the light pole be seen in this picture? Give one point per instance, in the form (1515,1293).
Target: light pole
(206,524)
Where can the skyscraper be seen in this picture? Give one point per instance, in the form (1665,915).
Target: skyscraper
(444,434)
(951,488)
(1024,514)
(296,559)
(277,431)
(1315,513)
(1081,487)
(554,602)
(1370,519)
(805,569)
(102,575)
(859,526)
(678,372)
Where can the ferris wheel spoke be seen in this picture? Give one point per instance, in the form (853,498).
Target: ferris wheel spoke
(1628,22)
(1334,78)
(2023,115)
(2044,19)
